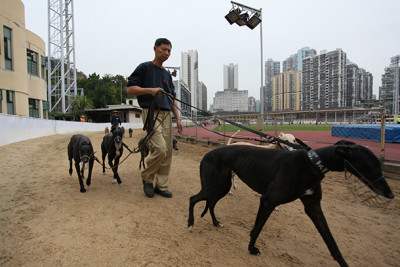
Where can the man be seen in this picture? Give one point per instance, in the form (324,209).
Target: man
(115,120)
(148,81)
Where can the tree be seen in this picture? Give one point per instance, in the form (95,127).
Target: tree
(108,90)
(78,106)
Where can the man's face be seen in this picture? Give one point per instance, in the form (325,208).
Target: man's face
(163,52)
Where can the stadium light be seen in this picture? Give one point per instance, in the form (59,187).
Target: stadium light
(239,14)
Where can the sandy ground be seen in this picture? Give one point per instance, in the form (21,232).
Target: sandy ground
(46,221)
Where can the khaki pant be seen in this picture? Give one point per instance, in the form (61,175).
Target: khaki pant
(158,163)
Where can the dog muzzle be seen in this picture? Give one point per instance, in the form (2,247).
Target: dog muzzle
(85,158)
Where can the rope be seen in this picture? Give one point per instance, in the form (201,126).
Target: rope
(267,136)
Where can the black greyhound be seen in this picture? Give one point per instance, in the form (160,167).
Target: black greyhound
(112,145)
(282,177)
(130,132)
(81,150)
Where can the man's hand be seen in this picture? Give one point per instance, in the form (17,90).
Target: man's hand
(179,124)
(156,92)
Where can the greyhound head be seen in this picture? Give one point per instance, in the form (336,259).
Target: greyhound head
(118,134)
(289,138)
(85,151)
(361,162)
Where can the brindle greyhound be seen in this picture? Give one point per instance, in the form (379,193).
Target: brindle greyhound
(112,145)
(282,177)
(81,150)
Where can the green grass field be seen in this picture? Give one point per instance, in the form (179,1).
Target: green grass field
(281,128)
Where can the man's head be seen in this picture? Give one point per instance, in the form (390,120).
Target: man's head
(162,49)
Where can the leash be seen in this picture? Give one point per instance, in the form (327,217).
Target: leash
(148,127)
(261,134)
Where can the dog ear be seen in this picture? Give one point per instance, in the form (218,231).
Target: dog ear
(344,142)
(344,150)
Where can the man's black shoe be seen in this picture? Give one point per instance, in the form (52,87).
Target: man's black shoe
(148,189)
(164,193)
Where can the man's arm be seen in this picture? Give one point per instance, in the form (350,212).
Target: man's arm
(137,90)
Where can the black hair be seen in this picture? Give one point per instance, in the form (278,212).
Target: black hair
(161,41)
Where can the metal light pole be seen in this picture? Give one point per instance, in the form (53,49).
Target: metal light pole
(239,15)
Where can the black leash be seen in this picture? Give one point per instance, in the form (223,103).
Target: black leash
(267,136)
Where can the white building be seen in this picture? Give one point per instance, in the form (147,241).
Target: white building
(231,100)
(231,76)
(190,75)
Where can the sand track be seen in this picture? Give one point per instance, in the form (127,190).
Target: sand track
(46,221)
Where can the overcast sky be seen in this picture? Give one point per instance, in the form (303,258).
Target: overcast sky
(113,37)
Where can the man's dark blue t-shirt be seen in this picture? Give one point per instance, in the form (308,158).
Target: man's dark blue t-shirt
(148,75)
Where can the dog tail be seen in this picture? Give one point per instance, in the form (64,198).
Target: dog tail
(205,209)
(230,139)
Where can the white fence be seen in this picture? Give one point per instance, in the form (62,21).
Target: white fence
(16,128)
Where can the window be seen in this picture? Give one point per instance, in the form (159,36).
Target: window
(33,108)
(45,108)
(10,102)
(31,57)
(43,65)
(8,48)
(137,115)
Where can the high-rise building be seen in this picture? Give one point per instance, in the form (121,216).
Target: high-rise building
(231,100)
(286,91)
(203,90)
(231,76)
(324,79)
(359,86)
(272,68)
(390,90)
(190,75)
(252,104)
(294,62)
(184,97)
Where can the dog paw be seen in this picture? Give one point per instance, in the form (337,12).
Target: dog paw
(83,190)
(276,208)
(88,183)
(254,251)
(190,228)
(114,181)
(120,185)
(230,193)
(104,173)
(220,225)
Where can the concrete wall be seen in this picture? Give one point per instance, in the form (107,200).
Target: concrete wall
(16,128)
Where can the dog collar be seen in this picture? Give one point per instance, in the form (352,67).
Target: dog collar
(316,161)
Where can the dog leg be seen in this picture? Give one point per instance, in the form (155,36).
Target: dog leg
(312,207)
(192,202)
(263,214)
(80,178)
(89,179)
(233,184)
(114,167)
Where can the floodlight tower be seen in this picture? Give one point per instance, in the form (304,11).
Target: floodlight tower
(244,15)
(61,55)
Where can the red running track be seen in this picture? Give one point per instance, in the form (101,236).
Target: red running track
(314,139)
